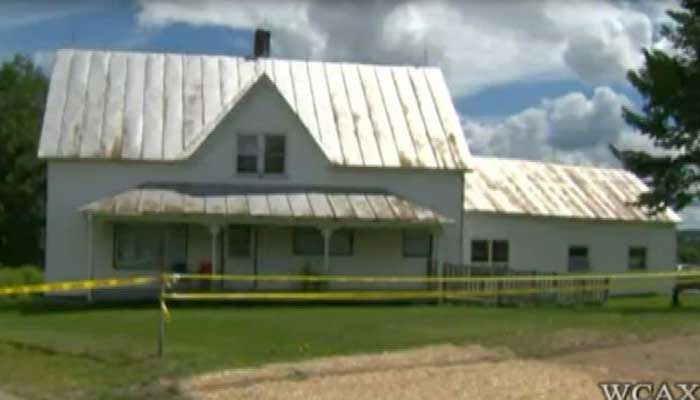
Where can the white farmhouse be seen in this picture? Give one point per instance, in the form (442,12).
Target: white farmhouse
(170,162)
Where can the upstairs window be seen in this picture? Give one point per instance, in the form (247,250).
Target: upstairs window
(578,259)
(274,154)
(637,258)
(247,160)
(261,154)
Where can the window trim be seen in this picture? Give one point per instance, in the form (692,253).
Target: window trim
(264,154)
(588,257)
(164,230)
(260,157)
(645,267)
(296,252)
(403,244)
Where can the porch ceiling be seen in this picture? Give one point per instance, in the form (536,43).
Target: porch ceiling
(266,203)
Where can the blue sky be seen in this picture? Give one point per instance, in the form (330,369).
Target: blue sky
(531,79)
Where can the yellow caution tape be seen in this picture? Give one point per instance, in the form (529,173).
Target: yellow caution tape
(164,309)
(77,285)
(406,294)
(435,279)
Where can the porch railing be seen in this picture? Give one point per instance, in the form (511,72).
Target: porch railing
(539,289)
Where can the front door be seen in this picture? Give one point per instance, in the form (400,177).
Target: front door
(239,255)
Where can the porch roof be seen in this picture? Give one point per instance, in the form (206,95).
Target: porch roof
(295,204)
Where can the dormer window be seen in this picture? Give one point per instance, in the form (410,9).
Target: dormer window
(261,154)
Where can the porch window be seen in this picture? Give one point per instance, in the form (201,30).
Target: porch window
(637,258)
(247,159)
(139,246)
(578,259)
(417,243)
(274,154)
(309,242)
(239,241)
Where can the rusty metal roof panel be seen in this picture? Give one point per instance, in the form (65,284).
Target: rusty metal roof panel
(509,186)
(161,107)
(232,201)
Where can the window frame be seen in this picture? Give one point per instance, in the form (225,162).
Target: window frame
(492,252)
(645,252)
(297,251)
(265,138)
(261,155)
(407,254)
(588,267)
(488,251)
(239,138)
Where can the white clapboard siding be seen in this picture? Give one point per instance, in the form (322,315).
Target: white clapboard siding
(133,107)
(363,126)
(378,116)
(402,136)
(211,89)
(424,150)
(153,107)
(172,128)
(433,124)
(328,130)
(113,124)
(95,105)
(75,103)
(53,116)
(193,118)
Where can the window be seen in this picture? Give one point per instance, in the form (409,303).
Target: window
(309,241)
(637,258)
(247,160)
(499,251)
(139,246)
(416,243)
(239,241)
(480,251)
(578,259)
(274,154)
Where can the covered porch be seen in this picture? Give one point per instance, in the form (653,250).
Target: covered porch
(261,230)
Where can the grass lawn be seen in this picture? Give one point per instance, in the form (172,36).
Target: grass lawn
(108,352)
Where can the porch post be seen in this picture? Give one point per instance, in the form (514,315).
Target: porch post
(327,233)
(214,230)
(90,253)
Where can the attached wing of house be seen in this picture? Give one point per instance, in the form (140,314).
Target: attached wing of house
(508,186)
(161,107)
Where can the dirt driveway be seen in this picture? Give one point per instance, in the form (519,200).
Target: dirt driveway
(456,372)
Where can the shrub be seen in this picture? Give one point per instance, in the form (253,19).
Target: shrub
(22,275)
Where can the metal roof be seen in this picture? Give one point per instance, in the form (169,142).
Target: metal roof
(511,186)
(161,107)
(311,204)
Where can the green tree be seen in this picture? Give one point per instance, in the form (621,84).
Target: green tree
(23,89)
(670,116)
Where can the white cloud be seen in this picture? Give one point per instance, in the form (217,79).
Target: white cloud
(571,128)
(478,44)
